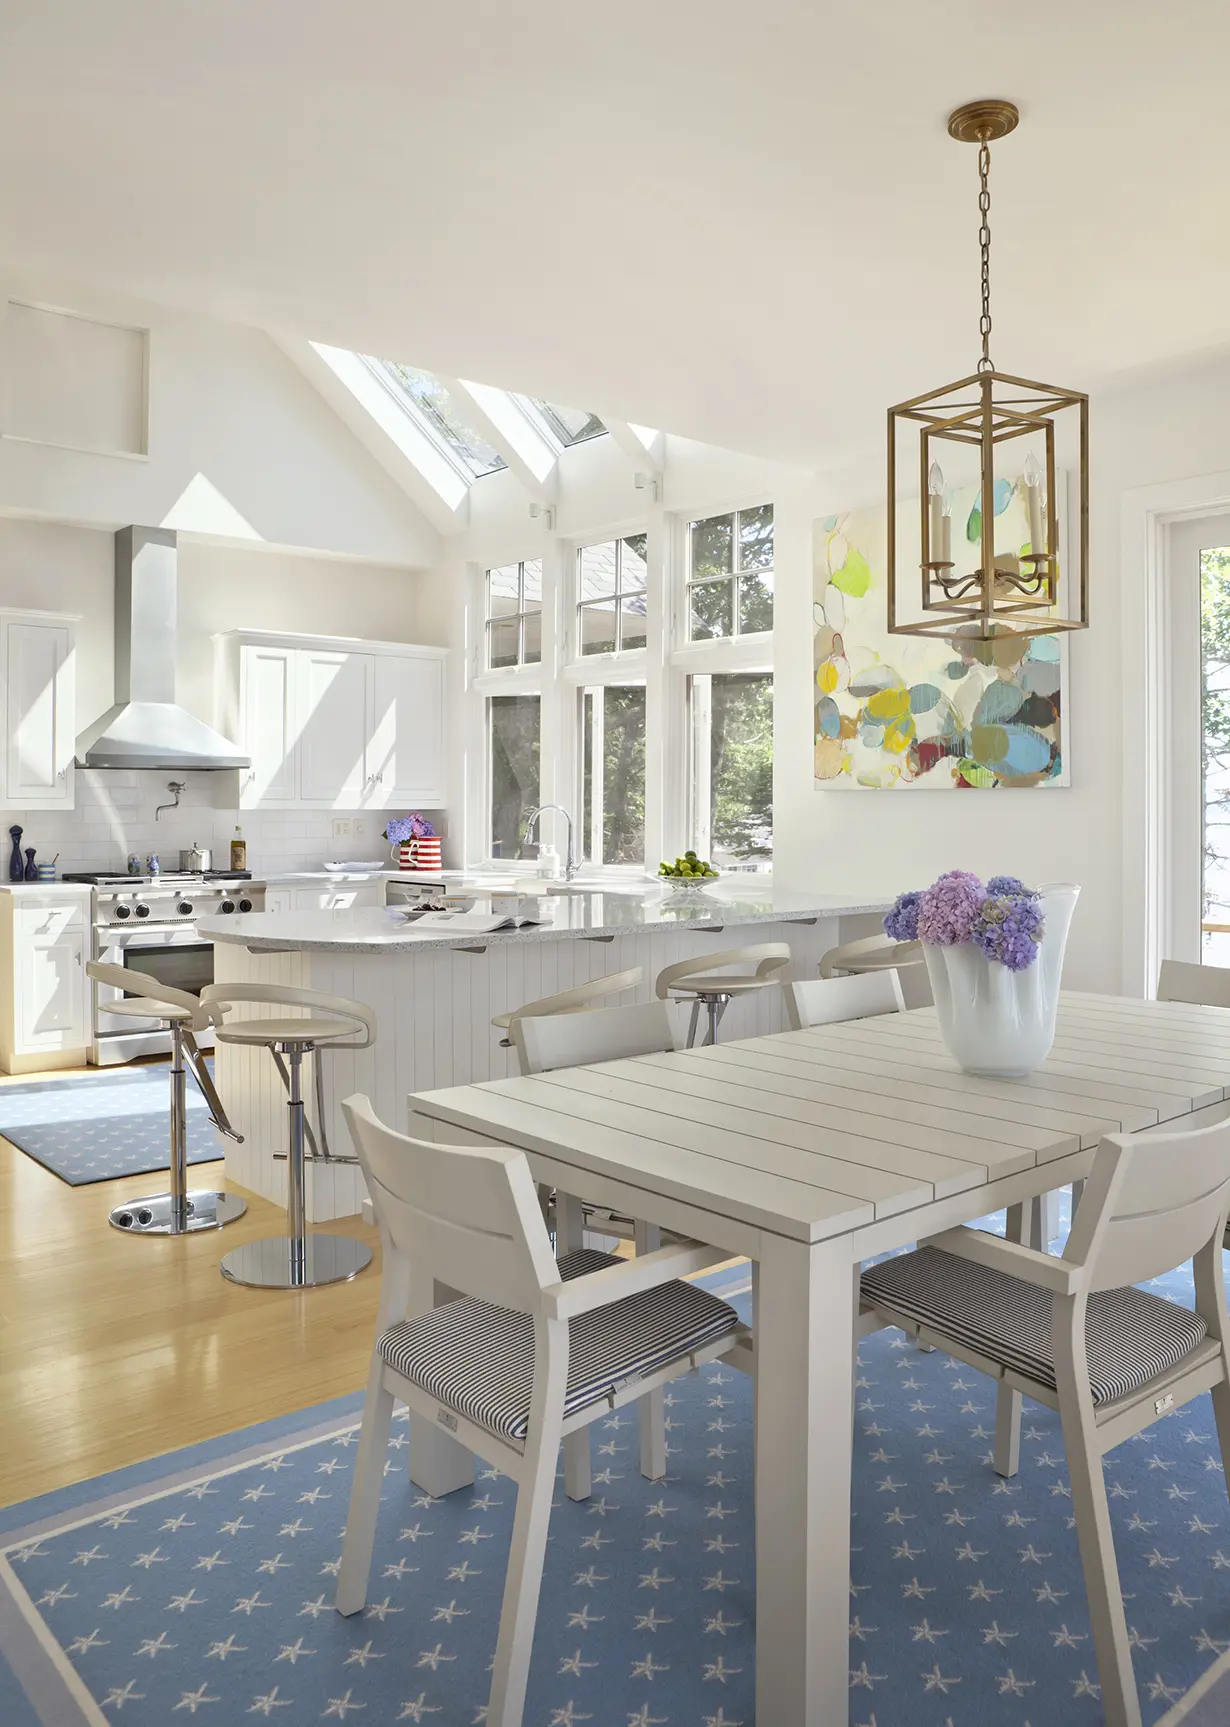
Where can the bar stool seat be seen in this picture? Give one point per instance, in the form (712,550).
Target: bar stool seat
(692,979)
(296,1260)
(286,1030)
(180,1211)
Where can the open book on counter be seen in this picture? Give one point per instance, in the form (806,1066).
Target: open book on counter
(483,923)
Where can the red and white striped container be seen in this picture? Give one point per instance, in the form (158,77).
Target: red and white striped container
(420,854)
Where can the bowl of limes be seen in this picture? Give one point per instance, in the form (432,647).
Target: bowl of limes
(688,874)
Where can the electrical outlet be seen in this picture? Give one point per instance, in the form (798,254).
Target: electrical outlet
(342,827)
(360,828)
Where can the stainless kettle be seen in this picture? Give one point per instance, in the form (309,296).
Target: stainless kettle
(195,858)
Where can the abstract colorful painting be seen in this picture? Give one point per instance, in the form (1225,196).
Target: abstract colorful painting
(914,713)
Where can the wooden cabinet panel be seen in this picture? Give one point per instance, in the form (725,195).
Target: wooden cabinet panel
(39,714)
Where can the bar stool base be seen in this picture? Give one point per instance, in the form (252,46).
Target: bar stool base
(278,1262)
(153,1215)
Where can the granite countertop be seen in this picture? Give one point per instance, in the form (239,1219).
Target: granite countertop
(571,914)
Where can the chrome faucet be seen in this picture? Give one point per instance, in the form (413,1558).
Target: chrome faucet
(570,868)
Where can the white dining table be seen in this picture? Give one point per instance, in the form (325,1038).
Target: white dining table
(809,1152)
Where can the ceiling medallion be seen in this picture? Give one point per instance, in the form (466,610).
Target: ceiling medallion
(998,435)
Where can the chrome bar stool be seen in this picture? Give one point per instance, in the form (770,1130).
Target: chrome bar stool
(179,1212)
(710,985)
(296,1260)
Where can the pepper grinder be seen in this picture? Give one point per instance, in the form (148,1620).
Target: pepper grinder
(17,870)
(31,872)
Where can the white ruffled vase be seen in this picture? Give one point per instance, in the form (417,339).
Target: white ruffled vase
(996,1022)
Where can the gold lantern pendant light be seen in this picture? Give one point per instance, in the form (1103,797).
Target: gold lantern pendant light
(1011,422)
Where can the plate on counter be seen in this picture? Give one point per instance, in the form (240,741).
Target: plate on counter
(352,865)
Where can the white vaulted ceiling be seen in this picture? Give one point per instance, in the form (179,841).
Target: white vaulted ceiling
(744,223)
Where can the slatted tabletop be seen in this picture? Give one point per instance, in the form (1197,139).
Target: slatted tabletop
(816,1133)
(810,1151)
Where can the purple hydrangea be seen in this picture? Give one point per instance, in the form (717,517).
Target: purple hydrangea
(1009,927)
(399,829)
(901,922)
(949,907)
(1006,884)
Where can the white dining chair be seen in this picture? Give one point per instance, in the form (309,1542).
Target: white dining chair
(532,1349)
(710,982)
(544,1044)
(574,1000)
(1198,985)
(881,953)
(1076,1334)
(829,1000)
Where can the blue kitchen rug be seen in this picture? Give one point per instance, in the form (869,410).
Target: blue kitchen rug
(103,1126)
(201,1584)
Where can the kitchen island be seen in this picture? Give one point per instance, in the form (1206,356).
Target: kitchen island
(435,990)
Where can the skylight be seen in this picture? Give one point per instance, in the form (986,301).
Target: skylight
(567,426)
(442,415)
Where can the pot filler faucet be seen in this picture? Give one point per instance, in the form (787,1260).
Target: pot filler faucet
(177,787)
(570,868)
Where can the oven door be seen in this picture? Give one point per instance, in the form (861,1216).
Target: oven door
(176,956)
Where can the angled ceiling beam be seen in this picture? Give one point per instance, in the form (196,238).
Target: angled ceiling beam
(644,447)
(385,431)
(531,460)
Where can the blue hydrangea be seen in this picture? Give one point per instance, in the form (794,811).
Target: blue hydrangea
(901,921)
(1006,884)
(1009,927)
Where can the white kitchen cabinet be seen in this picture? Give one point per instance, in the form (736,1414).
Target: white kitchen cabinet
(406,755)
(335,704)
(37,703)
(44,992)
(267,702)
(334,724)
(350,897)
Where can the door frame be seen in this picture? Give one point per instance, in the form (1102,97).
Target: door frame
(1154,863)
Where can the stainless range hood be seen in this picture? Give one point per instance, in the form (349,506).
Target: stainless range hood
(147,728)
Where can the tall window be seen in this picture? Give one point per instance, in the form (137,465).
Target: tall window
(513,731)
(613,774)
(514,614)
(730,574)
(731,726)
(611,602)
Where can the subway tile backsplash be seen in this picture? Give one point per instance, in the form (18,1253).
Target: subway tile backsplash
(115,815)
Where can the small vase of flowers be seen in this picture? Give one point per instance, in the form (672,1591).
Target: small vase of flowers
(994,954)
(415,843)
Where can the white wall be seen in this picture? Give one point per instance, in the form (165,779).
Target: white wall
(240,445)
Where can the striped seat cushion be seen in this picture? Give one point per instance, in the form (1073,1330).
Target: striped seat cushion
(1130,1335)
(479,1359)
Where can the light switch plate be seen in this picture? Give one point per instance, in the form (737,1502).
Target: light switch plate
(360,828)
(342,827)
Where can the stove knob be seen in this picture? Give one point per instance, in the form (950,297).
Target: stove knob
(227,905)
(245,905)
(184,907)
(142,911)
(123,911)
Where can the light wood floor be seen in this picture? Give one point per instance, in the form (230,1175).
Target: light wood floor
(114,1349)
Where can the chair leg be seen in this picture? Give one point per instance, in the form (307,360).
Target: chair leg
(1024,1225)
(1078,1193)
(1007,1457)
(650,1410)
(569,1236)
(511,1667)
(1120,1703)
(693,1022)
(365,1493)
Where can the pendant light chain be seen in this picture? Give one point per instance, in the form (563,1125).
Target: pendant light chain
(984,243)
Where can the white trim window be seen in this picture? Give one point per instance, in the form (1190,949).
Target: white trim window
(730,575)
(724,648)
(611,760)
(514,769)
(612,596)
(513,595)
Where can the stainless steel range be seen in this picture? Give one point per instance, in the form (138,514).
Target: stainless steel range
(148,924)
